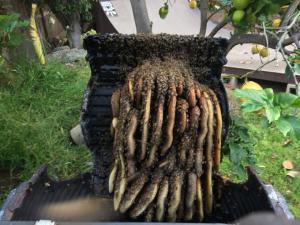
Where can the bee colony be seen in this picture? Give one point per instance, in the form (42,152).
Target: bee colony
(167,131)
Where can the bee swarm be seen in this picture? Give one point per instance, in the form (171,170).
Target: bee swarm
(167,143)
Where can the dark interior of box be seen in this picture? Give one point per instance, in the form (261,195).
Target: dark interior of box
(75,200)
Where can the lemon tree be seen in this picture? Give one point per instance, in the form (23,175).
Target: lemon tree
(265,23)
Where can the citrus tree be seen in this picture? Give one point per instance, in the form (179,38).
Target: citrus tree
(266,23)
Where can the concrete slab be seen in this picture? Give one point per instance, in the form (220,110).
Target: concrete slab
(241,57)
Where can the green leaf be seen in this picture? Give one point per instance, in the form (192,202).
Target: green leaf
(22,24)
(237,154)
(288,71)
(284,100)
(264,123)
(296,103)
(8,35)
(295,124)
(254,96)
(250,107)
(269,93)
(283,126)
(15,40)
(297,68)
(271,9)
(259,6)
(297,51)
(273,113)
(244,134)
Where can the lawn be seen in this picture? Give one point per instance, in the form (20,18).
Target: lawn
(270,151)
(38,107)
(40,104)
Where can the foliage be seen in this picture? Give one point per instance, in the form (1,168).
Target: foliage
(276,108)
(66,9)
(10,37)
(270,150)
(271,23)
(294,60)
(258,12)
(88,33)
(238,146)
(69,7)
(253,11)
(39,106)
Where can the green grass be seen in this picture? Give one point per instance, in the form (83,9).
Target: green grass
(270,153)
(38,107)
(40,104)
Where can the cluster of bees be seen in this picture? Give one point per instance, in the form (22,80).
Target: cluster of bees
(167,143)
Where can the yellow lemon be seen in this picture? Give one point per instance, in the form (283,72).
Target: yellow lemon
(264,52)
(256,49)
(276,23)
(193,4)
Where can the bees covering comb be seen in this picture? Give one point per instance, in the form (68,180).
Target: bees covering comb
(167,143)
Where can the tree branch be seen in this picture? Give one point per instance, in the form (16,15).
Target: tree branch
(257,69)
(141,18)
(203,16)
(293,6)
(238,39)
(296,38)
(215,12)
(219,26)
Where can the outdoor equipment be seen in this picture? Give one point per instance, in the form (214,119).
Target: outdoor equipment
(111,58)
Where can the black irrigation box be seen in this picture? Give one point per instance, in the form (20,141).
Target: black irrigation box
(85,198)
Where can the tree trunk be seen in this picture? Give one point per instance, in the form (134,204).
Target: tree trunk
(203,5)
(141,18)
(74,32)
